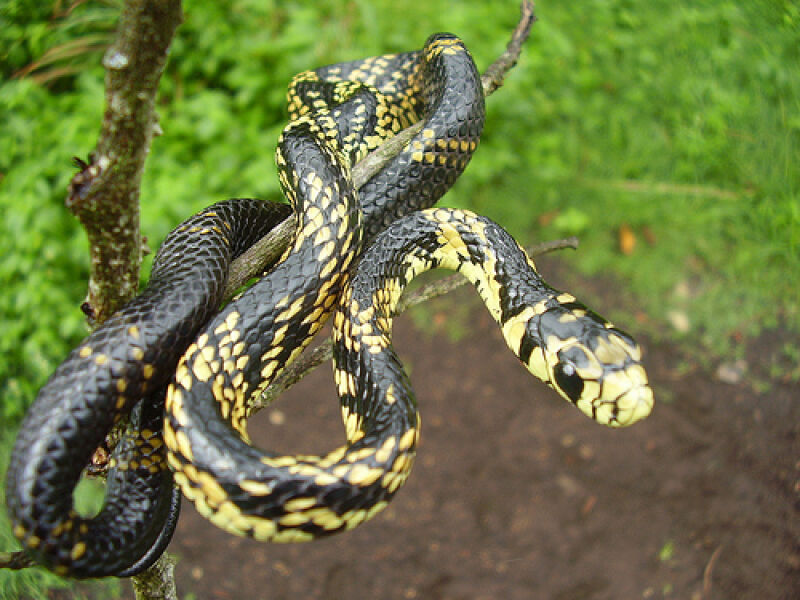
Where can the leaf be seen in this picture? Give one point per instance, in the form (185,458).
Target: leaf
(627,239)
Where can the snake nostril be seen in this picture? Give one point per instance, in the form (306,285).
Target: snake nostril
(568,381)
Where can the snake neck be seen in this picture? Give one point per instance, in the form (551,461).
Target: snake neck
(582,356)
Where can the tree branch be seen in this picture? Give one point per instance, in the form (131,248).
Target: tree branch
(104,195)
(16,560)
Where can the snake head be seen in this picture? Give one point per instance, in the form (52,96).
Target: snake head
(584,358)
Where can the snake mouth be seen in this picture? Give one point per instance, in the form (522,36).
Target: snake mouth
(615,397)
(623,398)
(632,406)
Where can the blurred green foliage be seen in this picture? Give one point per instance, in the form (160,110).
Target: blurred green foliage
(677,120)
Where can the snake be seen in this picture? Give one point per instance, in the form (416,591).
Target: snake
(275,497)
(290,498)
(338,113)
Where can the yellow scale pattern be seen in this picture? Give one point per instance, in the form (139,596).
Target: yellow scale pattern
(393,459)
(372,464)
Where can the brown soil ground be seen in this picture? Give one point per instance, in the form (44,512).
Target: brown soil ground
(516,495)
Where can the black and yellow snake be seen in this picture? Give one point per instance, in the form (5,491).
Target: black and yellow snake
(295,498)
(338,113)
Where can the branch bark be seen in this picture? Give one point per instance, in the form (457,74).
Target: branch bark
(157,582)
(104,195)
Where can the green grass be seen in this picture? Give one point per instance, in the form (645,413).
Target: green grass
(678,120)
(681,123)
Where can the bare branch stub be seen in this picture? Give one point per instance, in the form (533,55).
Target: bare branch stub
(104,194)
(495,73)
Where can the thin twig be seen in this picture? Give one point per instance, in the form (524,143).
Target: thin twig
(665,188)
(496,72)
(707,572)
(16,560)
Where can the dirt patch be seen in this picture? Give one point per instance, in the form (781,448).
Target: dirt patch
(516,495)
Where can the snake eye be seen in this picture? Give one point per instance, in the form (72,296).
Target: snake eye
(568,381)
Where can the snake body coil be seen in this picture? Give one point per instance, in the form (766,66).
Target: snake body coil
(295,498)
(134,353)
(282,498)
(338,113)
(248,344)
(439,85)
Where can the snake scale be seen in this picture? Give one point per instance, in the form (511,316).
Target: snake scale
(173,347)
